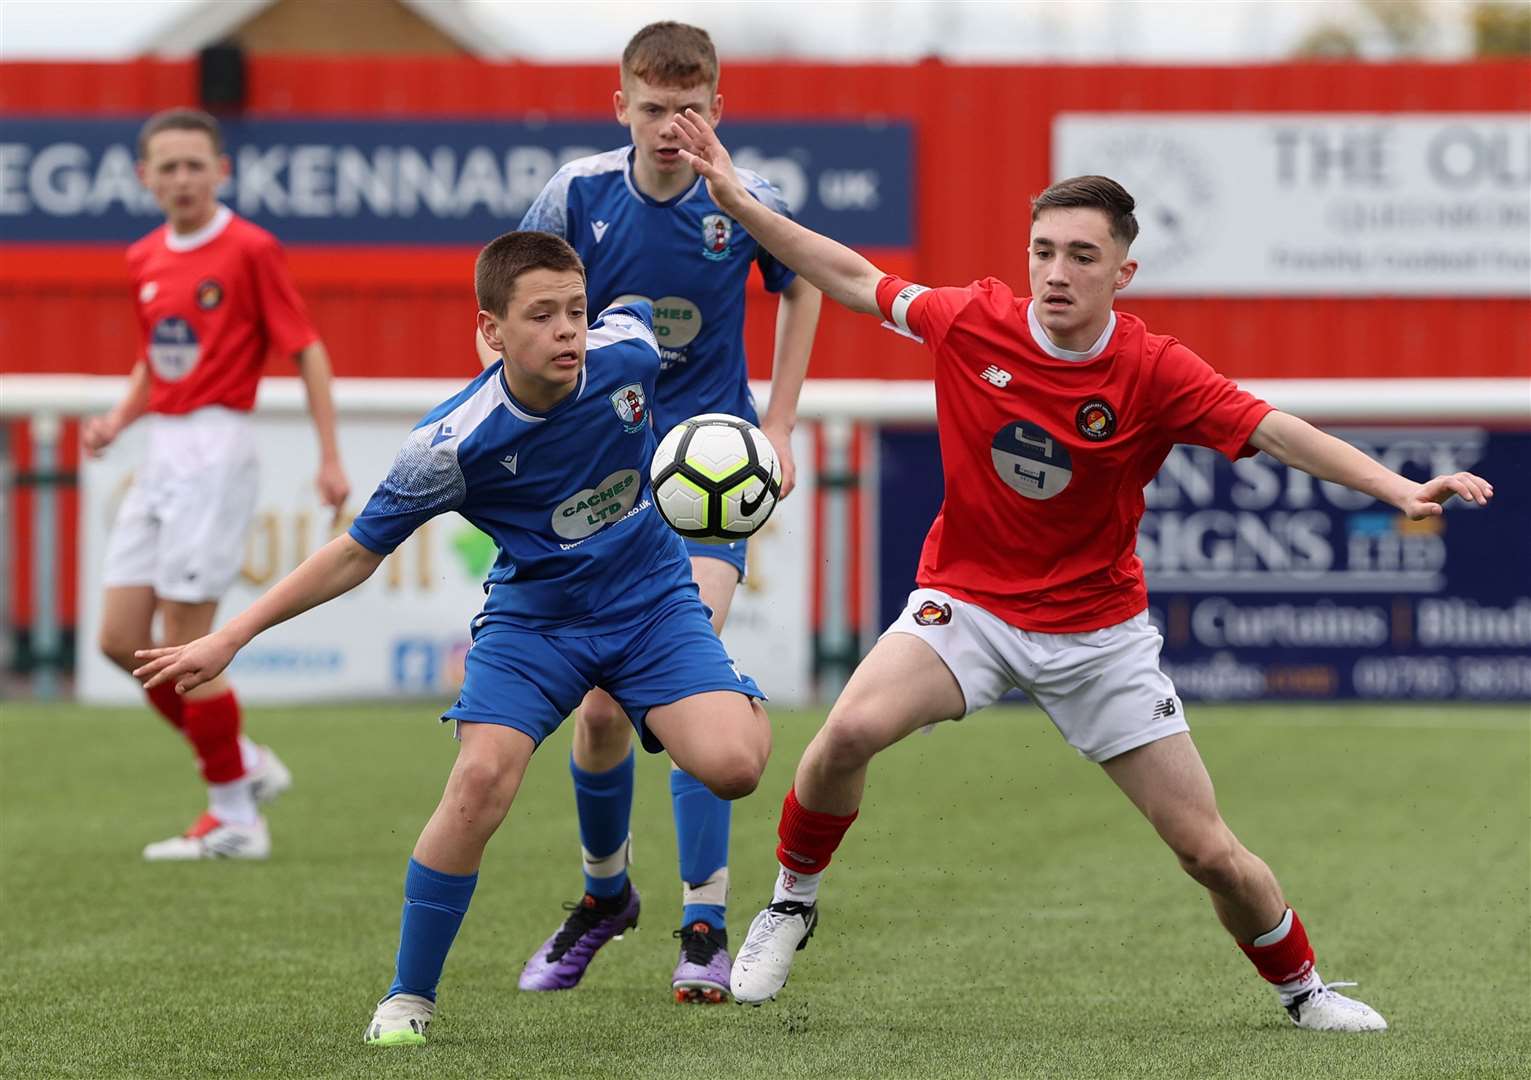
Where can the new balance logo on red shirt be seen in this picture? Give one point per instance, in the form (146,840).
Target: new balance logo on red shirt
(996,375)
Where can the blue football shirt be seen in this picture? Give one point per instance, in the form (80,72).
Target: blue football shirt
(564,494)
(685,256)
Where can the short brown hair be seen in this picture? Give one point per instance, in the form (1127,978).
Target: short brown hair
(179,120)
(507,257)
(671,54)
(1096,193)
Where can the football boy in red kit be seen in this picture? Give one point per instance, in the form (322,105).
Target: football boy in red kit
(214,298)
(1053,412)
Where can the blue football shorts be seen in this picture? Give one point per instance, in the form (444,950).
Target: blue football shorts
(732,553)
(530,681)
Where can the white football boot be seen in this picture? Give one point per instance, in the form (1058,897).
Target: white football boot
(210,838)
(400,1020)
(765,959)
(1323,1009)
(270,778)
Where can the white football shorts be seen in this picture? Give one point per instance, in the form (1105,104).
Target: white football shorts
(1101,688)
(182,524)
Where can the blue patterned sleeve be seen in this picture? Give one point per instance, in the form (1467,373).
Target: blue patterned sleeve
(424,481)
(549,212)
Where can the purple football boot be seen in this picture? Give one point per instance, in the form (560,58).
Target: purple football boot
(561,961)
(701,975)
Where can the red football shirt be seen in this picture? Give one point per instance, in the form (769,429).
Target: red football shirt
(1045,457)
(210,307)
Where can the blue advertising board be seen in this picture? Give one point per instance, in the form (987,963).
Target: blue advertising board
(1268,584)
(449,182)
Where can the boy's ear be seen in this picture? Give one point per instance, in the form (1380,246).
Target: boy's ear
(489,330)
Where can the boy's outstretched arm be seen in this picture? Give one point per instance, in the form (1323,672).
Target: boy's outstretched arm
(797,316)
(841,273)
(336,568)
(1297,443)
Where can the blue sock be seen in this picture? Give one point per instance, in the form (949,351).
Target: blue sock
(605,805)
(701,837)
(434,904)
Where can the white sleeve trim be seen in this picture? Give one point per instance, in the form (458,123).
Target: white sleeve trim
(899,310)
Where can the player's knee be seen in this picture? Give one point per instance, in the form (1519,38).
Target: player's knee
(119,647)
(1211,859)
(735,775)
(484,785)
(603,720)
(851,738)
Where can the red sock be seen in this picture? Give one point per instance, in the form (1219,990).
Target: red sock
(1285,961)
(808,838)
(168,704)
(212,725)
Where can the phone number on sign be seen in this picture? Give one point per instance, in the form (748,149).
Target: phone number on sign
(1484,677)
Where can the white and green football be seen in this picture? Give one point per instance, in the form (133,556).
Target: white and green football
(716,478)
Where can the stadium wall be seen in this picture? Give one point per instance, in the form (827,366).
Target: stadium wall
(391,302)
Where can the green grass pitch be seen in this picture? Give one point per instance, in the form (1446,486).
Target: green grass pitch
(999,910)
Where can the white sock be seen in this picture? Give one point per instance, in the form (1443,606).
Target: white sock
(232,803)
(801,888)
(249,754)
(1288,991)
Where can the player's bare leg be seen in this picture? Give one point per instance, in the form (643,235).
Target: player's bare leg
(127,624)
(443,872)
(721,737)
(491,761)
(901,686)
(1167,781)
(238,773)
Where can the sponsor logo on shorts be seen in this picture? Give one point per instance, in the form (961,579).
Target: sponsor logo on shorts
(931,613)
(1165,709)
(1096,420)
(209,294)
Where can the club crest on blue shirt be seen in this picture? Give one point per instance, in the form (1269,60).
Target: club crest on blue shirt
(717,230)
(632,410)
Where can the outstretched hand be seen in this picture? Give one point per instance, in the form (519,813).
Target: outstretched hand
(1429,498)
(189,665)
(701,149)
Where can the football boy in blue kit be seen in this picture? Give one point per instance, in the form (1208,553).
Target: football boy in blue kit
(590,586)
(646,227)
